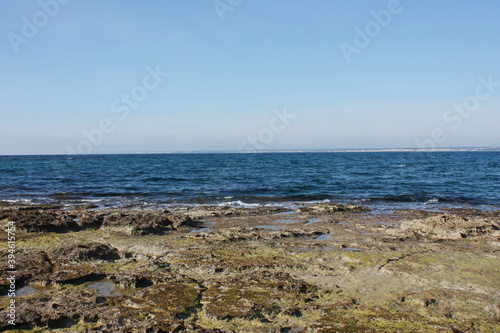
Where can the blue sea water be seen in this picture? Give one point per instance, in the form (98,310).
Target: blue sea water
(373,178)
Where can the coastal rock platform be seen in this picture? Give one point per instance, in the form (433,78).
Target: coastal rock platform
(312,268)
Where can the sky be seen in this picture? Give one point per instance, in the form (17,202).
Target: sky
(118,76)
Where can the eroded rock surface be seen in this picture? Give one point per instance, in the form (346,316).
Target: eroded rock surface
(141,223)
(217,211)
(85,252)
(125,221)
(327,208)
(450,226)
(322,268)
(246,233)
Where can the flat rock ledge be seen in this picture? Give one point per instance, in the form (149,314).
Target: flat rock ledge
(450,227)
(328,208)
(124,221)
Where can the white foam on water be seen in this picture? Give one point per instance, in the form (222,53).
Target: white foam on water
(238,203)
(91,200)
(433,200)
(20,201)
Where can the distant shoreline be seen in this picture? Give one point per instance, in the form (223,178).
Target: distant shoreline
(382,150)
(354,150)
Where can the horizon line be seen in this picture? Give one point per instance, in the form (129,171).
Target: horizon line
(339,150)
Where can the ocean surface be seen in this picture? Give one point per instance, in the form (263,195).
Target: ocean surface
(386,179)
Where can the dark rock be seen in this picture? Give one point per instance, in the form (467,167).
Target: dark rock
(327,208)
(125,221)
(254,295)
(85,252)
(249,233)
(217,211)
(30,266)
(142,222)
(47,220)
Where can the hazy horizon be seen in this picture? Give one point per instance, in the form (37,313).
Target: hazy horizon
(122,77)
(340,150)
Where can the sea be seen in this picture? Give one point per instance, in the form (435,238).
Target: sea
(384,180)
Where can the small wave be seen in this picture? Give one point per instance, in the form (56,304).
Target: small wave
(422,198)
(109,195)
(306,197)
(400,166)
(238,203)
(18,201)
(66,195)
(91,200)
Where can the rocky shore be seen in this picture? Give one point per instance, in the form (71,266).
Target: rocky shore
(317,268)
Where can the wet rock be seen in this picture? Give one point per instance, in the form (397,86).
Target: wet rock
(327,208)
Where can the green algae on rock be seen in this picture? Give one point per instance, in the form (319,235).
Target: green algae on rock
(424,276)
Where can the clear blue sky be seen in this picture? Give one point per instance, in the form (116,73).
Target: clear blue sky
(228,77)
